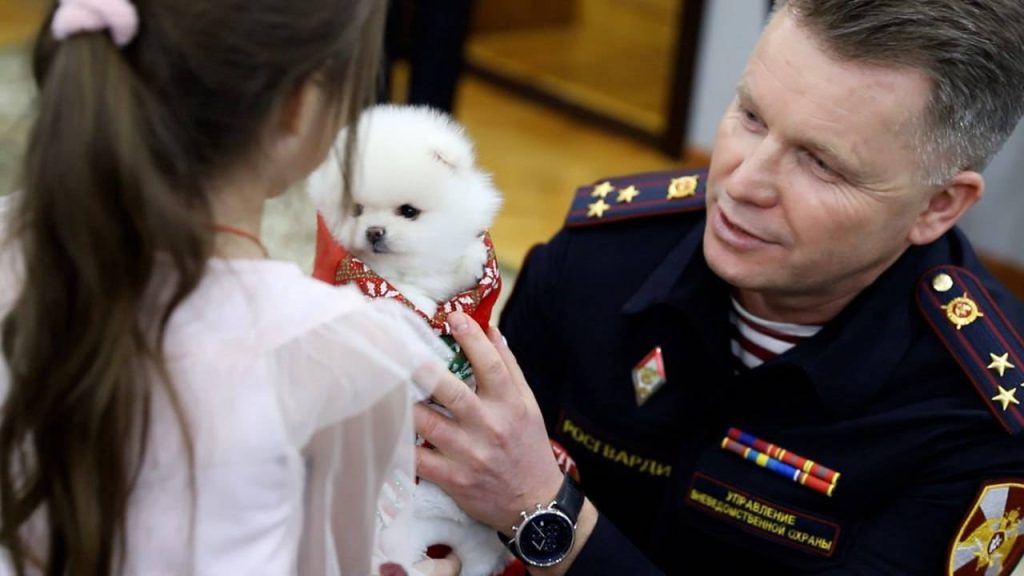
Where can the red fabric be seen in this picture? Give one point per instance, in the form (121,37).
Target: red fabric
(564,460)
(438,551)
(392,569)
(335,265)
(328,253)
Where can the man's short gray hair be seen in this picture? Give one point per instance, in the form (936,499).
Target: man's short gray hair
(972,50)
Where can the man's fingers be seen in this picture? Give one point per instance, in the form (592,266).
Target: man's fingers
(452,393)
(434,427)
(433,466)
(488,366)
(494,335)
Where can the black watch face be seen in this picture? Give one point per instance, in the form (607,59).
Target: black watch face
(546,539)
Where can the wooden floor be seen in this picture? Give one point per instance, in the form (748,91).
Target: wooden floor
(538,158)
(615,57)
(18,21)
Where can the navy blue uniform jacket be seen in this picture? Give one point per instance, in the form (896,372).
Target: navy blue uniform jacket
(875,395)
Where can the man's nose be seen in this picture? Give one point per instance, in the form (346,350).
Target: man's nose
(755,179)
(375,233)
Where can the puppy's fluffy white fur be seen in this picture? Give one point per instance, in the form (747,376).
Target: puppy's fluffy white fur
(419,205)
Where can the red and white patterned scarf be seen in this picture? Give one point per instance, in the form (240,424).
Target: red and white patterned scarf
(336,265)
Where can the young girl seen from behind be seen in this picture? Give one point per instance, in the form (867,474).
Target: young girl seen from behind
(175,402)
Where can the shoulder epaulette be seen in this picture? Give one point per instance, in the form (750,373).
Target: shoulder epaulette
(637,196)
(978,335)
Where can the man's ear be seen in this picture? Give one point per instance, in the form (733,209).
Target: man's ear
(946,206)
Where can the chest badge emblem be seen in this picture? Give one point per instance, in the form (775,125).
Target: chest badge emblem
(648,375)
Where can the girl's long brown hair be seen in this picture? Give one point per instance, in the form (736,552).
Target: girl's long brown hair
(113,181)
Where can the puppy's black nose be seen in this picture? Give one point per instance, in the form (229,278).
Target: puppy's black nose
(375,233)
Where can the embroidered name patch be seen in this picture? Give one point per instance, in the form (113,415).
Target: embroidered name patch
(573,431)
(795,529)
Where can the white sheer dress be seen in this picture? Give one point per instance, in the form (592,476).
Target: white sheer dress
(298,397)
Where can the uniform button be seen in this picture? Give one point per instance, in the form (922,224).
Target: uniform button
(942,282)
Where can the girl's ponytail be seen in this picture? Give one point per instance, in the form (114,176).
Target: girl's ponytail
(97,210)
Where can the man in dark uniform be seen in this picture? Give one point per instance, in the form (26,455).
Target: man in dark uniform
(792,364)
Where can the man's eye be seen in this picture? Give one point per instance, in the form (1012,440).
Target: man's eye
(751,120)
(820,167)
(357,210)
(408,211)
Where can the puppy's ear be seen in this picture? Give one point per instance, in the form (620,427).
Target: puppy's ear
(447,160)
(450,147)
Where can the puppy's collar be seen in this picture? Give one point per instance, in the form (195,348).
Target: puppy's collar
(336,265)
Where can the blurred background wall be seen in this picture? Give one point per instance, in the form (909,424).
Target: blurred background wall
(556,94)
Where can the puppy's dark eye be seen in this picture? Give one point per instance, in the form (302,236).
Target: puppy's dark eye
(408,211)
(357,210)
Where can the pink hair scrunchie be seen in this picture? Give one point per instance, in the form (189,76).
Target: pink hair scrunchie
(76,16)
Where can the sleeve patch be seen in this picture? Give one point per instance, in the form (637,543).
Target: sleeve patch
(990,540)
(637,196)
(979,337)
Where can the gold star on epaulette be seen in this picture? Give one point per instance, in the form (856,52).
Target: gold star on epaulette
(627,194)
(1000,363)
(1006,397)
(597,209)
(602,190)
(683,187)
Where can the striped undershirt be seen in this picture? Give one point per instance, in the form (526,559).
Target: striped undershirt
(756,340)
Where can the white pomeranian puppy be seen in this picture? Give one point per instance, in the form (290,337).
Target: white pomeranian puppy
(419,203)
(418,212)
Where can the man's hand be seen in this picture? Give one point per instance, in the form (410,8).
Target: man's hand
(492,456)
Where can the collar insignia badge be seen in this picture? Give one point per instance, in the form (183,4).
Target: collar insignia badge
(648,376)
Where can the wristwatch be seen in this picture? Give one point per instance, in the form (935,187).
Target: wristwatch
(545,535)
